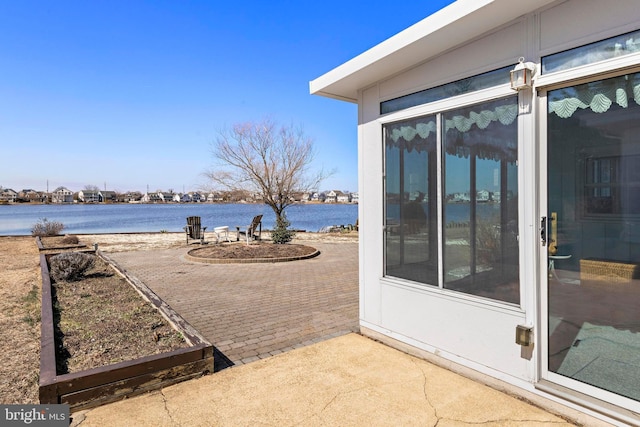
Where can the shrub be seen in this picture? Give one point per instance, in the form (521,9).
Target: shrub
(281,234)
(70,266)
(44,227)
(70,239)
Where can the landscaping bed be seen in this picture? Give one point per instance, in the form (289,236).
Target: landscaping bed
(255,252)
(107,336)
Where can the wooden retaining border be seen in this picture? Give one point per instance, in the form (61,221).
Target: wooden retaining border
(105,384)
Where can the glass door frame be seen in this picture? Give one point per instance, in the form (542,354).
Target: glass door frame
(540,100)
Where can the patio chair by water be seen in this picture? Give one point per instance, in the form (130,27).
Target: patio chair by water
(250,231)
(194,229)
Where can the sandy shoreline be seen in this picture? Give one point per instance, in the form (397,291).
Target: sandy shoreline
(145,241)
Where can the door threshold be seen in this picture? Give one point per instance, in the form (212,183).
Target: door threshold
(607,409)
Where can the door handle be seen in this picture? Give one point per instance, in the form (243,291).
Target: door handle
(543,230)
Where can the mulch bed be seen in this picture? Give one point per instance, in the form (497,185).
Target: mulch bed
(238,251)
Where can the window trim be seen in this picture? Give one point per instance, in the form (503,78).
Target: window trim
(588,73)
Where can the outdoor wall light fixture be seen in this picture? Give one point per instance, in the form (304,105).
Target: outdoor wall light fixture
(524,334)
(522,75)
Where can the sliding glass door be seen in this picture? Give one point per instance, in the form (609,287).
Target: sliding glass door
(593,238)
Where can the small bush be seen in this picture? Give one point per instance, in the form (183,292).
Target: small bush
(44,227)
(281,234)
(70,239)
(70,266)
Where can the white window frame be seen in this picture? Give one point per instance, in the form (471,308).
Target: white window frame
(436,108)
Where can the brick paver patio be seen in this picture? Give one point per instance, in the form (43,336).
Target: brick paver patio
(252,311)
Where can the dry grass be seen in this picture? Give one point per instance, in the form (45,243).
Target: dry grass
(20,284)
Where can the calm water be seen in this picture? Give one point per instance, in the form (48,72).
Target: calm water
(121,218)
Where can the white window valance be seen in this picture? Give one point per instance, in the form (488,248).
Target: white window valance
(505,114)
(420,134)
(598,96)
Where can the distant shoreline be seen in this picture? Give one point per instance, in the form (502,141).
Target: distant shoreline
(6,203)
(19,219)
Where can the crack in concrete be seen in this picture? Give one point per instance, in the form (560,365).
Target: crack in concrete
(424,391)
(507,420)
(166,408)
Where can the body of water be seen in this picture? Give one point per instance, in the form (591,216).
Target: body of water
(454,212)
(18,219)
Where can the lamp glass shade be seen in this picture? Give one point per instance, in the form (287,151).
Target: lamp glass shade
(521,77)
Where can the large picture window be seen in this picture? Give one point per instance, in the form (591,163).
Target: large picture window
(479,222)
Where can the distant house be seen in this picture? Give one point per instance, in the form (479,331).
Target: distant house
(331,197)
(8,195)
(88,196)
(185,198)
(482,196)
(306,197)
(166,197)
(30,195)
(198,197)
(461,198)
(107,196)
(354,197)
(131,196)
(336,196)
(151,198)
(343,197)
(215,197)
(318,197)
(62,195)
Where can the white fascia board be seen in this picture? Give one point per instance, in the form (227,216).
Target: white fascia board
(452,26)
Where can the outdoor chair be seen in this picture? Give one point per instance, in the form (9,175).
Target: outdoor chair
(250,231)
(194,229)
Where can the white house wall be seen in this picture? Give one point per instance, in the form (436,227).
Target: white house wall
(495,50)
(574,23)
(370,189)
(479,333)
(483,334)
(458,326)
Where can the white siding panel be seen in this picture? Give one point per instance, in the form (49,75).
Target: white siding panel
(577,22)
(495,50)
(370,205)
(468,330)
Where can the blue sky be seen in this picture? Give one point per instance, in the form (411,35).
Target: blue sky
(130,94)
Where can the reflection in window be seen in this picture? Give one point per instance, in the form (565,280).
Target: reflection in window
(611,185)
(411,234)
(480,213)
(594,52)
(459,87)
(480,245)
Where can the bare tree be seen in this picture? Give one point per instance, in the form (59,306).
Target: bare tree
(267,159)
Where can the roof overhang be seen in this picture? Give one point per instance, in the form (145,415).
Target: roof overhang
(452,26)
